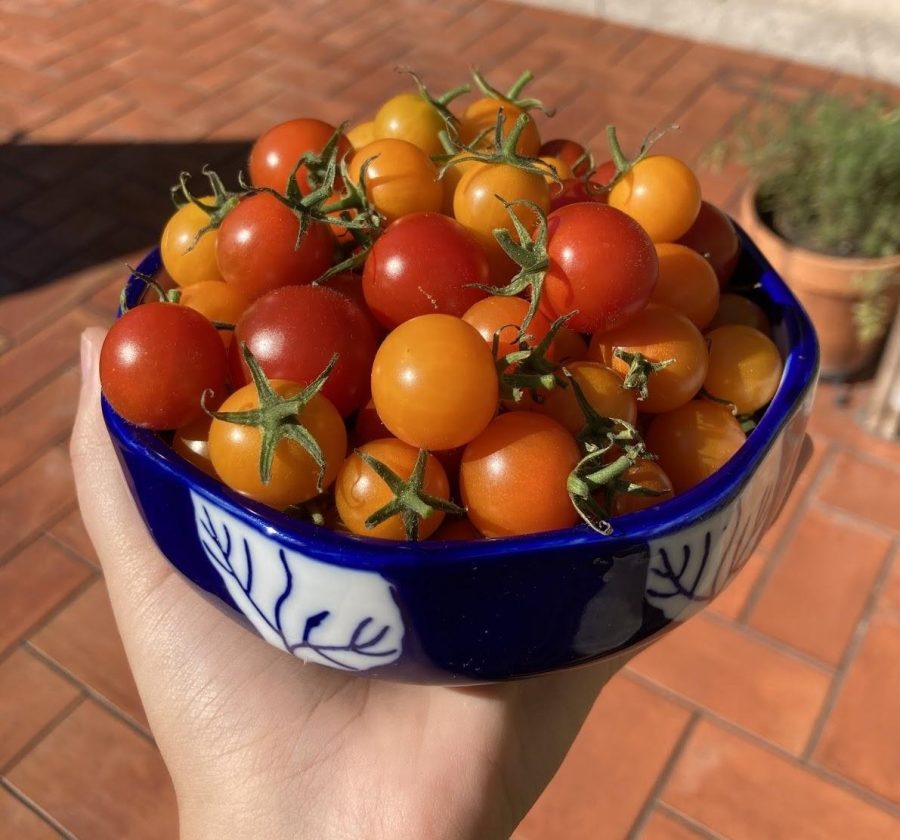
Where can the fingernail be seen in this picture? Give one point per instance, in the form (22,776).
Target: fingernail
(88,357)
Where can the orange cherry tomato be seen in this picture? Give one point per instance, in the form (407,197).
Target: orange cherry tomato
(505,315)
(434,382)
(234,449)
(736,309)
(563,170)
(659,334)
(401,179)
(218,301)
(410,117)
(477,208)
(513,476)
(687,283)
(745,367)
(361,135)
(602,388)
(186,262)
(662,194)
(359,491)
(694,441)
(568,346)
(482,114)
(647,474)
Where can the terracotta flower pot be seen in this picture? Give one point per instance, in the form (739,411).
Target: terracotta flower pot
(831,290)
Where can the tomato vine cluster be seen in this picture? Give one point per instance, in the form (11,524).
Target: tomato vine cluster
(433,325)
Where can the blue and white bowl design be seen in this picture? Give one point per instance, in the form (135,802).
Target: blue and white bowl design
(470,612)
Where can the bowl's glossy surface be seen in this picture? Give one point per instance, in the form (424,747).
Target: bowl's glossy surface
(481,611)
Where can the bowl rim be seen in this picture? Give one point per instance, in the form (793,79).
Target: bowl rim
(698,503)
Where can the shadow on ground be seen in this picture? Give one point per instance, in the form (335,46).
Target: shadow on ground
(64,208)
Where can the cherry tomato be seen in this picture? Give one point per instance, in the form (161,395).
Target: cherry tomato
(745,367)
(456,528)
(604,174)
(513,476)
(482,114)
(694,441)
(647,474)
(601,264)
(602,388)
(423,263)
(359,491)
(294,331)
(659,334)
(156,363)
(349,284)
(218,301)
(368,426)
(410,117)
(477,208)
(736,309)
(562,169)
(574,191)
(257,251)
(568,346)
(505,314)
(185,261)
(276,153)
(362,134)
(662,194)
(687,283)
(191,442)
(234,449)
(569,152)
(434,382)
(714,236)
(401,179)
(451,177)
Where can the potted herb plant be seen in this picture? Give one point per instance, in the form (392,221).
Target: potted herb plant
(824,206)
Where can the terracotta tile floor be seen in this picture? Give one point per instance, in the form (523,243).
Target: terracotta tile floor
(774,715)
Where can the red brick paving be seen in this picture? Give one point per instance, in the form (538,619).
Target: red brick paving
(772,716)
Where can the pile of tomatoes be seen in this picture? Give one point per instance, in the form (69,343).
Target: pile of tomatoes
(436,325)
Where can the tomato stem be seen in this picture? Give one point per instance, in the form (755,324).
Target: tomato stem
(640,369)
(278,417)
(512,96)
(529,367)
(624,164)
(410,501)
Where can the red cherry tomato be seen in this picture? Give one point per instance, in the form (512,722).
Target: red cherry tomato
(157,362)
(713,235)
(423,263)
(276,153)
(574,191)
(569,152)
(294,331)
(602,264)
(256,248)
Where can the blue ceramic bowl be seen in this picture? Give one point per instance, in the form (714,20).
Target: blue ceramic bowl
(470,612)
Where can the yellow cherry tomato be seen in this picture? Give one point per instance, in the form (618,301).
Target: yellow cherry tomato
(744,367)
(362,134)
(187,262)
(687,283)
(410,117)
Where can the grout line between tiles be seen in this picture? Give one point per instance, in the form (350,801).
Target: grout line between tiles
(42,733)
(39,625)
(856,640)
(663,68)
(663,778)
(847,785)
(772,643)
(689,822)
(88,690)
(31,538)
(787,535)
(38,811)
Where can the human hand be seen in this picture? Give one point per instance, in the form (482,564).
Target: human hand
(261,745)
